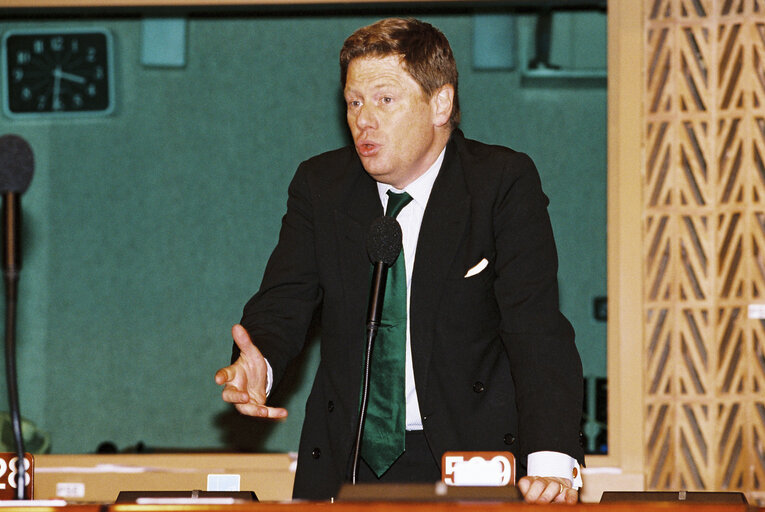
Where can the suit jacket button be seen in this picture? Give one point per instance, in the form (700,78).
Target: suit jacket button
(478,387)
(509,439)
(331,406)
(316,453)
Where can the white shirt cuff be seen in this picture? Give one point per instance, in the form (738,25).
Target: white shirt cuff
(270,379)
(555,464)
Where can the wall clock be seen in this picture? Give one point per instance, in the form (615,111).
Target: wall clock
(52,73)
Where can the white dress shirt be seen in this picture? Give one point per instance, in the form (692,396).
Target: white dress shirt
(410,219)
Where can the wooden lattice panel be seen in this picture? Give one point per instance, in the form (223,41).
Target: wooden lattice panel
(704,244)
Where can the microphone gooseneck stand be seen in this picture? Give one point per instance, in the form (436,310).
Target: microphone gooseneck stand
(371,333)
(383,247)
(375,312)
(11,279)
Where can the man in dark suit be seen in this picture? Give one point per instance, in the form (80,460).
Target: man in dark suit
(491,362)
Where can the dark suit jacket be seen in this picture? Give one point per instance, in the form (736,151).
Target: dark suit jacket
(495,363)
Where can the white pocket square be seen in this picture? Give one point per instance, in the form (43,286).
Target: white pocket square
(478,268)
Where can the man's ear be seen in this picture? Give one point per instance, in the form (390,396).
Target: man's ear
(442,104)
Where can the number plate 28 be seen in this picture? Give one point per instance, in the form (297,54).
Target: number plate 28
(9,474)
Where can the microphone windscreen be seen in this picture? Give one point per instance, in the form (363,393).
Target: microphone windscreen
(16,164)
(384,240)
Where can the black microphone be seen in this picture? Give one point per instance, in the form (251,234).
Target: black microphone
(383,247)
(16,168)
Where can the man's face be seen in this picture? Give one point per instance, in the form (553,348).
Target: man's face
(394,126)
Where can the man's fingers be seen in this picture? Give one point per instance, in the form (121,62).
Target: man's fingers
(276,412)
(222,376)
(261,411)
(244,342)
(523,485)
(560,494)
(234,395)
(246,379)
(246,405)
(531,488)
(569,496)
(546,490)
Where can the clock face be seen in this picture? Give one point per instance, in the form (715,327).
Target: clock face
(57,73)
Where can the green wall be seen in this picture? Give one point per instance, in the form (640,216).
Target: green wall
(146,231)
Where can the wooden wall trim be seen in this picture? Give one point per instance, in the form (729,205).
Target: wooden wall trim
(625,322)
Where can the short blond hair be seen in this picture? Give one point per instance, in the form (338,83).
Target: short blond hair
(425,53)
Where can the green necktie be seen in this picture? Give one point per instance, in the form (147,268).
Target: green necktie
(385,424)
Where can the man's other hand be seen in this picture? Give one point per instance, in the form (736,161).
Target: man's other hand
(245,381)
(538,489)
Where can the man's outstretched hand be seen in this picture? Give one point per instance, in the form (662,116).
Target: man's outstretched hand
(246,379)
(537,489)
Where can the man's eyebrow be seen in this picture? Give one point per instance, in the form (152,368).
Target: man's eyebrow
(381,83)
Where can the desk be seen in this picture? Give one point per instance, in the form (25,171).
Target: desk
(101,477)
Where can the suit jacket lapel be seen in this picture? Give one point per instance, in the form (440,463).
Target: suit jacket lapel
(443,228)
(359,204)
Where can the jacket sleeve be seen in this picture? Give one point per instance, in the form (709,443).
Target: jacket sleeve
(279,315)
(545,363)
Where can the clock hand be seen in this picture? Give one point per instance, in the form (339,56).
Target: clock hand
(69,76)
(55,101)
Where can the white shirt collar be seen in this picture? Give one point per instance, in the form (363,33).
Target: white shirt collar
(420,188)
